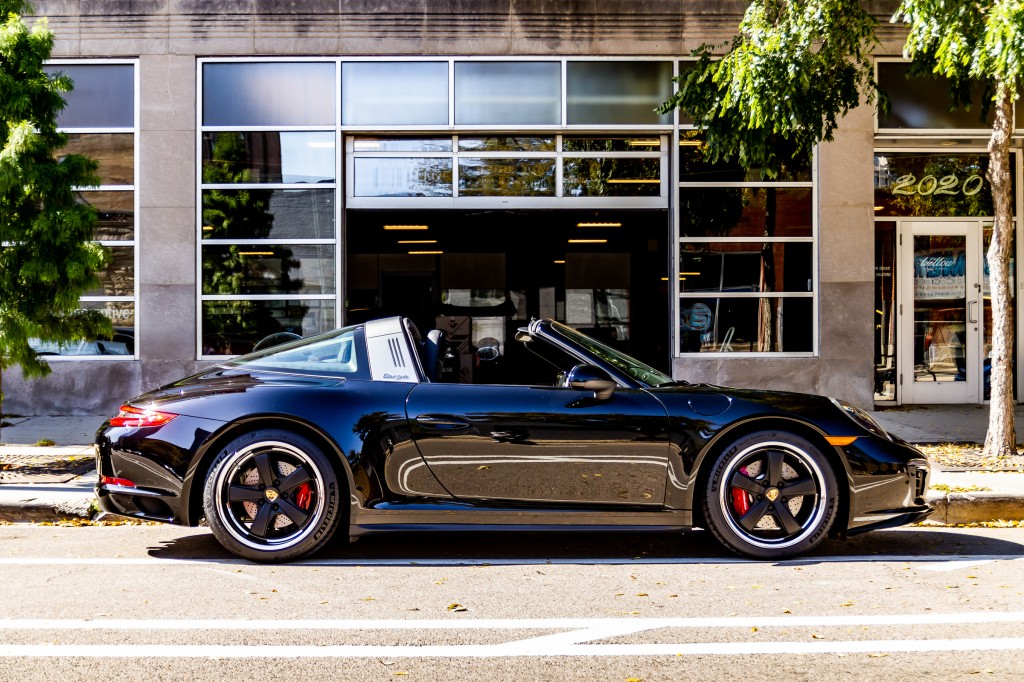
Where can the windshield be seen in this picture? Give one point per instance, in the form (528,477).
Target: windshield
(331,354)
(630,366)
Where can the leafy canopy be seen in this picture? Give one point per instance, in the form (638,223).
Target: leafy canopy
(47,258)
(976,39)
(794,68)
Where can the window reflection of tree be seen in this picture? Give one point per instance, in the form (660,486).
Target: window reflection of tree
(720,217)
(239,214)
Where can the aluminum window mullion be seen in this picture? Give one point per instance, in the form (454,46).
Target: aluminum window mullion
(746,294)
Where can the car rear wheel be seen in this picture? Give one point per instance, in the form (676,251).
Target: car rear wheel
(271,496)
(771,495)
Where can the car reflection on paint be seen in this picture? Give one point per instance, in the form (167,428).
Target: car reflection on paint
(351,432)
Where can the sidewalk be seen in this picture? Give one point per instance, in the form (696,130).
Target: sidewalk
(55,483)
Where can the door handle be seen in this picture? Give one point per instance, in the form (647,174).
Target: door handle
(441,422)
(972,312)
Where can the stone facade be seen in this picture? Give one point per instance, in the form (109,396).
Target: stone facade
(167,36)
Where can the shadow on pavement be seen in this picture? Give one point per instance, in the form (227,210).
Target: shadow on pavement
(513,547)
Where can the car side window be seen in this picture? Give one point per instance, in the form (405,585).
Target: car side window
(335,355)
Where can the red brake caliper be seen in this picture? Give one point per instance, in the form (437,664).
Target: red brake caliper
(740,498)
(304,494)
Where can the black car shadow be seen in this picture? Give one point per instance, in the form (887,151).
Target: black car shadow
(518,547)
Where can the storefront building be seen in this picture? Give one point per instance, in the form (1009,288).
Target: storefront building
(272,169)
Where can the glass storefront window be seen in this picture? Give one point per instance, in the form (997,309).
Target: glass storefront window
(115,214)
(746,325)
(233,269)
(930,184)
(646,143)
(402,177)
(394,93)
(923,102)
(114,152)
(611,177)
(268,214)
(402,144)
(103,95)
(118,278)
(269,94)
(745,212)
(885,306)
(508,93)
(606,92)
(268,156)
(747,266)
(506,177)
(506,144)
(693,167)
(235,327)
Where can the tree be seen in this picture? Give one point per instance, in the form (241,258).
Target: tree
(967,42)
(47,257)
(777,92)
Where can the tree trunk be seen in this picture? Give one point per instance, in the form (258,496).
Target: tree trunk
(1001,438)
(767,330)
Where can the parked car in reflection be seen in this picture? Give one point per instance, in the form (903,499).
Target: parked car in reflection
(350,432)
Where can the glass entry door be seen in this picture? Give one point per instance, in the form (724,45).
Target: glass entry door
(941,312)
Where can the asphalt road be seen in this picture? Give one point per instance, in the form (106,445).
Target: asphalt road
(156,602)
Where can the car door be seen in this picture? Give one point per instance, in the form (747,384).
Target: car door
(542,445)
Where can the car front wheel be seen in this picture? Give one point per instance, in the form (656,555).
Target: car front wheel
(272,496)
(771,495)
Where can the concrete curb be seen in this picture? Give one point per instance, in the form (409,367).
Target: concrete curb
(22,505)
(54,510)
(975,507)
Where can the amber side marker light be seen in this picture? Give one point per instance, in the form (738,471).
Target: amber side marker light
(841,440)
(133,417)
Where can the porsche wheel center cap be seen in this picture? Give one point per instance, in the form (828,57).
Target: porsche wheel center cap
(772,494)
(271,494)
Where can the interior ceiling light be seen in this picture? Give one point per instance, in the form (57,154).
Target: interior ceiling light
(366,144)
(559,262)
(588,241)
(645,143)
(690,143)
(633,181)
(406,227)
(425,253)
(692,274)
(598,224)
(255,253)
(417,241)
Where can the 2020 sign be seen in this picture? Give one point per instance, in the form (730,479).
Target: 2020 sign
(928,185)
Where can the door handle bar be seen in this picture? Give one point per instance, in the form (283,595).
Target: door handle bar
(972,312)
(441,422)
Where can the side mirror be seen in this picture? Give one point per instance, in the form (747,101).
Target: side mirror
(590,378)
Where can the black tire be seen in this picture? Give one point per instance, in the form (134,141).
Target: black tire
(771,495)
(272,496)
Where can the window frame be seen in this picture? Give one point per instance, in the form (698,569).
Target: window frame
(134,188)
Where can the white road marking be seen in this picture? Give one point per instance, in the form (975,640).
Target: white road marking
(511,649)
(944,562)
(956,565)
(603,627)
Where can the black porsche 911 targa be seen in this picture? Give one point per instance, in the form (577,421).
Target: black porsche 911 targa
(351,432)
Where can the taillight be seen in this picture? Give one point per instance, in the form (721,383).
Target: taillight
(110,480)
(135,418)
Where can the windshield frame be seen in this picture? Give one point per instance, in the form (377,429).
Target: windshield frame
(637,371)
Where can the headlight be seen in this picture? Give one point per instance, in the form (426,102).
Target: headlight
(861,418)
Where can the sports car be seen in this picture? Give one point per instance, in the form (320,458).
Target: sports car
(352,432)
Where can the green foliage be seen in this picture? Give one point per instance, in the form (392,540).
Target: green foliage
(792,71)
(232,270)
(982,39)
(47,258)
